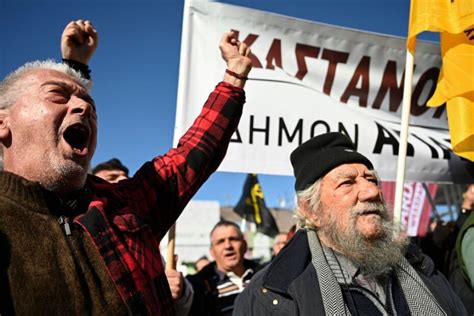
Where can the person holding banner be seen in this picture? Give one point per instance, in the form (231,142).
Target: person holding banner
(350,258)
(75,244)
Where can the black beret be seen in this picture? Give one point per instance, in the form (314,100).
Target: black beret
(319,155)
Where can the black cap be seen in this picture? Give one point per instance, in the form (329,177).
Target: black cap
(112,164)
(319,155)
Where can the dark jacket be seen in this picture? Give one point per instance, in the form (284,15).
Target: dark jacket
(457,275)
(205,301)
(289,285)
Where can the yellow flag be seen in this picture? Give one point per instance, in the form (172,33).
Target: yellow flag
(460,121)
(457,75)
(453,16)
(455,20)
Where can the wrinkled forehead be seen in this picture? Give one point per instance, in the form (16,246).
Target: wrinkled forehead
(349,170)
(41,77)
(225,231)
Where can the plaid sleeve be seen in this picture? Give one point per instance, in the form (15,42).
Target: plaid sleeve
(160,190)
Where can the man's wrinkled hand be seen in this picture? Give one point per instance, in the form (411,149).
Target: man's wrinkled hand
(237,56)
(79,41)
(176,282)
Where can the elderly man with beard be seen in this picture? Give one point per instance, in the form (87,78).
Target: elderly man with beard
(72,243)
(349,257)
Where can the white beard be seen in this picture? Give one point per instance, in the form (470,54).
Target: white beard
(375,257)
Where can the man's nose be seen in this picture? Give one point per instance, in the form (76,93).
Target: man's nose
(81,107)
(369,191)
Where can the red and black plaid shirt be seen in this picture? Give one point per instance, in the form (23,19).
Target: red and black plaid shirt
(127,220)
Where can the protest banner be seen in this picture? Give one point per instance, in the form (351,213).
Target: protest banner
(310,78)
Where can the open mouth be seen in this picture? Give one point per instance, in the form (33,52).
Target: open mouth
(77,136)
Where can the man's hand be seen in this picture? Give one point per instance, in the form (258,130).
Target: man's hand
(79,41)
(237,57)
(176,282)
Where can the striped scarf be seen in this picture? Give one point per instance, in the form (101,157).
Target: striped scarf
(419,298)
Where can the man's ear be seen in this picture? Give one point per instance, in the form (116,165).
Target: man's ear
(311,215)
(4,127)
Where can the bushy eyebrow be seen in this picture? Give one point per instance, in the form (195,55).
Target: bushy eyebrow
(345,174)
(85,96)
(372,173)
(352,174)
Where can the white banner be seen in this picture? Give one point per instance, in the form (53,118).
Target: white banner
(309,79)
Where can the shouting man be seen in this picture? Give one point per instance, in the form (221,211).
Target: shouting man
(72,243)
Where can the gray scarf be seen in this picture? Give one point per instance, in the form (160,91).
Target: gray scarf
(419,298)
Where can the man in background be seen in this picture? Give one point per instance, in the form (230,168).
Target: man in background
(111,170)
(201,263)
(217,285)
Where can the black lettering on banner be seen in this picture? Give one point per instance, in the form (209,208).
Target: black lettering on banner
(315,125)
(444,148)
(385,137)
(430,76)
(298,131)
(236,138)
(410,148)
(265,130)
(434,152)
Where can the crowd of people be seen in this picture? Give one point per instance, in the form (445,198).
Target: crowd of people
(81,241)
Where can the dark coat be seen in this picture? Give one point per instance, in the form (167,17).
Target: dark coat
(289,285)
(457,275)
(205,300)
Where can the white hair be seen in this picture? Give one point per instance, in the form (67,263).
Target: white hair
(12,85)
(309,200)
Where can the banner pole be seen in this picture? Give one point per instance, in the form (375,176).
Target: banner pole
(401,166)
(170,264)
